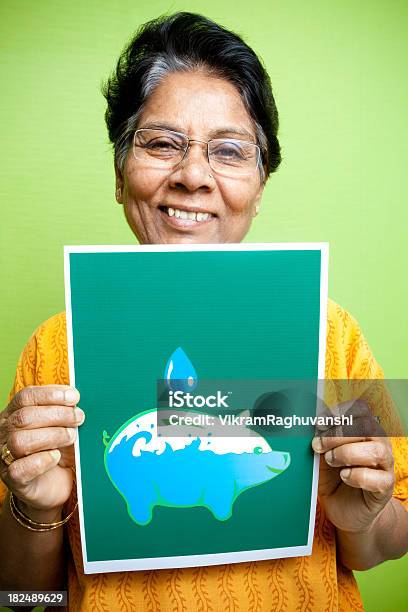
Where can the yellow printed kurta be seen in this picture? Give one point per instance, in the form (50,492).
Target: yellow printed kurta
(315,583)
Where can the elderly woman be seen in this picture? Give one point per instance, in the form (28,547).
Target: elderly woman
(194,125)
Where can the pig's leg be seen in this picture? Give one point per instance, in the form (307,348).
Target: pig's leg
(220,499)
(140,507)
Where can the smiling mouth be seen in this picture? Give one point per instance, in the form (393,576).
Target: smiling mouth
(274,470)
(178,214)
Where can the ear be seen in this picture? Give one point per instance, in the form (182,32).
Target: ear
(258,198)
(118,185)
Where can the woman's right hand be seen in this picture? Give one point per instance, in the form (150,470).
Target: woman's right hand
(39,428)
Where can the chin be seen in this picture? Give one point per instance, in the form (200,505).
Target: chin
(183,239)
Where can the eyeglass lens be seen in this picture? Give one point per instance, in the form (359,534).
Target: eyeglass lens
(166,149)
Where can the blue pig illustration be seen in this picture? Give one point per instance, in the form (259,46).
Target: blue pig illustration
(150,469)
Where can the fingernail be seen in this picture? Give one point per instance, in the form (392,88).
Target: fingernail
(345,473)
(79,415)
(55,454)
(329,457)
(71,396)
(317,444)
(72,433)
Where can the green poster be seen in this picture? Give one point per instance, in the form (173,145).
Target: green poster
(195,326)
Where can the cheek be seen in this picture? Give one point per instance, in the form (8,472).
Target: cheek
(141,185)
(239,199)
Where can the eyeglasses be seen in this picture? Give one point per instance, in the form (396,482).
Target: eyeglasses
(166,149)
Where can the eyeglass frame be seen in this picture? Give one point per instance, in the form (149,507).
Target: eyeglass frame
(206,142)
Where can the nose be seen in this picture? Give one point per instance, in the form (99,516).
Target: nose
(193,172)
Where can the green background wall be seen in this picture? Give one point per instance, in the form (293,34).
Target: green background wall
(339,74)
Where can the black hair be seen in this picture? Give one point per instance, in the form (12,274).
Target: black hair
(187,41)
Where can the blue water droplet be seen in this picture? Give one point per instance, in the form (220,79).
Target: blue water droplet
(179,372)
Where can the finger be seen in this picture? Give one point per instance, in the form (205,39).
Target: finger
(357,408)
(375,481)
(366,426)
(46,395)
(374,454)
(34,417)
(322,444)
(22,471)
(29,441)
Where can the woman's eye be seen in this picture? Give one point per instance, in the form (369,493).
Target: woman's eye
(229,151)
(162,145)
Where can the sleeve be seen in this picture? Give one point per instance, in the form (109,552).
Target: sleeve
(44,361)
(361,364)
(25,376)
(400,451)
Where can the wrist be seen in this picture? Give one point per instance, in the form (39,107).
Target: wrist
(385,538)
(379,518)
(39,515)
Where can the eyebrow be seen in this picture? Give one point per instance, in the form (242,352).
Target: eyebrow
(224,131)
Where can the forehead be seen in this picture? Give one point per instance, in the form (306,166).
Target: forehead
(199,105)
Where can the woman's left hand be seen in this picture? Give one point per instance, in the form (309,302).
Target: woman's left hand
(356,477)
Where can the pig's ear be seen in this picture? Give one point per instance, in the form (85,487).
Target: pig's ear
(245,413)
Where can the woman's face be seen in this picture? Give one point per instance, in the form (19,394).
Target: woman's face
(202,107)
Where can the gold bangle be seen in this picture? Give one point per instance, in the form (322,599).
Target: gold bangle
(28,523)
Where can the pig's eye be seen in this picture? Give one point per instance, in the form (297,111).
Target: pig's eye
(258,450)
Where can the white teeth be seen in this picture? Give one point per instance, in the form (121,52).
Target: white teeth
(183,214)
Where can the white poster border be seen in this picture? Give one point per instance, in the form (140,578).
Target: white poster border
(92,567)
